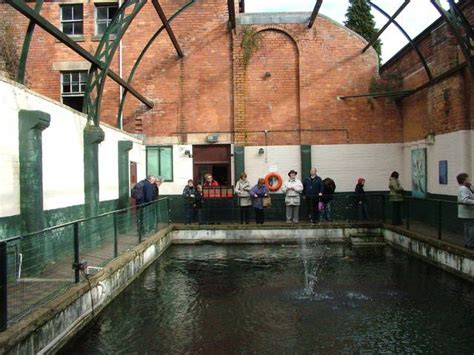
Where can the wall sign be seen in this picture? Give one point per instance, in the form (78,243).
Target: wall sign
(418,172)
(443,172)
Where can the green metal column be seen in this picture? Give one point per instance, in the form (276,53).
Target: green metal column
(93,135)
(123,173)
(305,160)
(239,160)
(31,125)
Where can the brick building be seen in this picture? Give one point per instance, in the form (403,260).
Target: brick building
(217,109)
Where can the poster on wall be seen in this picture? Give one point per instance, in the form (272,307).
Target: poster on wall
(418,173)
(443,172)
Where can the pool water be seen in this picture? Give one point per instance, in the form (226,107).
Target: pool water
(286,299)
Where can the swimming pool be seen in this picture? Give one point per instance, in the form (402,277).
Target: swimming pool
(312,298)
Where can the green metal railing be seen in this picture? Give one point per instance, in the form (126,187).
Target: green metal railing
(34,267)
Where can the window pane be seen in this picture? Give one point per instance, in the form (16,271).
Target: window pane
(166,164)
(83,88)
(66,88)
(67,28)
(78,28)
(101,27)
(152,161)
(83,77)
(75,77)
(101,12)
(66,12)
(75,87)
(77,12)
(112,11)
(66,78)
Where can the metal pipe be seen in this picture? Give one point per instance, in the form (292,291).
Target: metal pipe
(76,253)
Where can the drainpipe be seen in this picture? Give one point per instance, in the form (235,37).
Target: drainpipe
(120,75)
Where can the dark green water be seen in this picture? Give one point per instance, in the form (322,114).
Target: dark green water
(273,299)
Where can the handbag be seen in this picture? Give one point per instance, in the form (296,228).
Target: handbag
(267,201)
(321,206)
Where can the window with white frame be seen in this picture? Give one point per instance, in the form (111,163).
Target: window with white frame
(159,161)
(72,19)
(73,88)
(104,13)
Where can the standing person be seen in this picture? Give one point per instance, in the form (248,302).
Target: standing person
(466,208)
(312,188)
(189,196)
(361,200)
(329,186)
(144,192)
(209,181)
(396,198)
(257,193)
(198,202)
(292,188)
(242,189)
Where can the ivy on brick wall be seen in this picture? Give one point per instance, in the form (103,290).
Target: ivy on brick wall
(251,40)
(9,58)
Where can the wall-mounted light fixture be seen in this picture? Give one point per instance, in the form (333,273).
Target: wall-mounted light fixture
(261,151)
(187,153)
(267,75)
(430,138)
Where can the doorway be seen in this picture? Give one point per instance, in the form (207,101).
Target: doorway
(214,160)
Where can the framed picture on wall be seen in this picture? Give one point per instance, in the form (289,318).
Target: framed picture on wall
(443,172)
(418,173)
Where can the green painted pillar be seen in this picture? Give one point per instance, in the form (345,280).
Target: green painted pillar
(123,173)
(239,160)
(305,160)
(31,125)
(93,135)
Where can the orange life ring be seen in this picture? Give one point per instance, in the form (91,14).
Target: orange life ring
(273,186)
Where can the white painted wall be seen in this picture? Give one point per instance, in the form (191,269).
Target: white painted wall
(345,163)
(456,148)
(63,160)
(280,159)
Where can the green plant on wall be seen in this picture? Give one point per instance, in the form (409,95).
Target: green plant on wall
(251,40)
(386,84)
(9,58)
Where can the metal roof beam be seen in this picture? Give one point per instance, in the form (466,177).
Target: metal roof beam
(163,19)
(391,19)
(39,20)
(413,44)
(315,12)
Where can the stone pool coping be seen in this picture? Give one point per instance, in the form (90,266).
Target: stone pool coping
(54,323)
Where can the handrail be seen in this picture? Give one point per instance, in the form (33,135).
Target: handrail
(49,229)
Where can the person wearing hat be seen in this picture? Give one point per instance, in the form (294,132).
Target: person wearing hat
(361,200)
(292,188)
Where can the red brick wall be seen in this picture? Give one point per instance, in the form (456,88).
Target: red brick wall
(310,68)
(210,90)
(445,106)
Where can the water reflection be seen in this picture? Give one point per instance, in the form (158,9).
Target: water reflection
(280,299)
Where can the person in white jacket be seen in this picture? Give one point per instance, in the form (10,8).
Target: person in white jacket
(242,190)
(293,189)
(466,208)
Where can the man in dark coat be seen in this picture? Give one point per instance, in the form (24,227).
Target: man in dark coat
(149,190)
(312,188)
